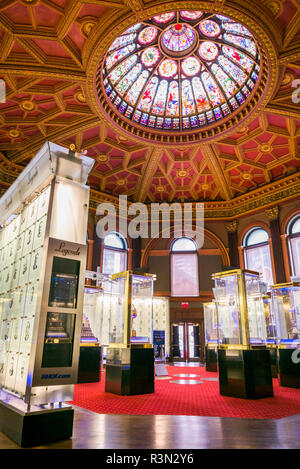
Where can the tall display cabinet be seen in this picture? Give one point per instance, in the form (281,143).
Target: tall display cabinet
(286,307)
(211,336)
(130,354)
(243,358)
(42,271)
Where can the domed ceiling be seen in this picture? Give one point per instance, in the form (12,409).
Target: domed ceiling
(212,86)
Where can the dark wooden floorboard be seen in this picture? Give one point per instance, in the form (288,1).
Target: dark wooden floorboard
(97,431)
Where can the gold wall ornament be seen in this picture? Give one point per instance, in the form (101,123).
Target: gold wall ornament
(87,26)
(14,133)
(27,105)
(272,213)
(287,78)
(102,158)
(275,6)
(232,226)
(30,2)
(79,96)
(265,148)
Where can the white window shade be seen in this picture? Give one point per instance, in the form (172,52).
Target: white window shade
(258,259)
(114,261)
(184,274)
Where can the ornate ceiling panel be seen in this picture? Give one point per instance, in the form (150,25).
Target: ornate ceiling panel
(49,53)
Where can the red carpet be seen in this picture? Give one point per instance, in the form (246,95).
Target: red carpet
(176,399)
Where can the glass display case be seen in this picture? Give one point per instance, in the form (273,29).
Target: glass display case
(130,354)
(286,308)
(130,320)
(240,309)
(286,305)
(91,350)
(243,358)
(210,323)
(211,335)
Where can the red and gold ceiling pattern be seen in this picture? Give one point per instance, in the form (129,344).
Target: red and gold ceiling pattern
(49,54)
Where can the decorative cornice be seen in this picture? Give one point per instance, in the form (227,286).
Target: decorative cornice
(272,213)
(232,226)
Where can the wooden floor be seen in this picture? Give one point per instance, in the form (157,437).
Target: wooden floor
(97,431)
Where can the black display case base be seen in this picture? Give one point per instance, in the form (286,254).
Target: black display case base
(289,369)
(89,366)
(36,427)
(274,362)
(245,373)
(129,371)
(211,359)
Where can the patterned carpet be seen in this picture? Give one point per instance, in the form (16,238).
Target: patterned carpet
(201,399)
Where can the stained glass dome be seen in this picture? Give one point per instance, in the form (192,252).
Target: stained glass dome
(181,70)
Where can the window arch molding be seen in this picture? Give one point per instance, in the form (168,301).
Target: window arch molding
(291,245)
(207,235)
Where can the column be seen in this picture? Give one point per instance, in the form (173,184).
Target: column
(232,230)
(273,216)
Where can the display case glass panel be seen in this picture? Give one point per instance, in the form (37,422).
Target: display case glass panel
(227,298)
(59,337)
(255,308)
(286,306)
(210,323)
(118,310)
(240,308)
(92,316)
(64,283)
(270,319)
(131,309)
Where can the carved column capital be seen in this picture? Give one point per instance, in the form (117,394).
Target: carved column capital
(272,213)
(232,226)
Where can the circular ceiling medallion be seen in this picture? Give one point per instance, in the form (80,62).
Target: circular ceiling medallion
(160,189)
(103,158)
(14,133)
(265,148)
(182,173)
(246,176)
(27,105)
(182,74)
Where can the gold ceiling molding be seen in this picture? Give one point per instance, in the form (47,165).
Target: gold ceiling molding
(264,31)
(264,197)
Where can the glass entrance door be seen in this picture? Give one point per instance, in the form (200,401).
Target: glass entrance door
(186,341)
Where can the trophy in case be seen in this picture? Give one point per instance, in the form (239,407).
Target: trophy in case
(211,336)
(286,308)
(130,354)
(271,332)
(43,219)
(243,358)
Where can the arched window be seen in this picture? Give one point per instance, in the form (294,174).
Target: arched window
(114,254)
(184,268)
(293,236)
(257,255)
